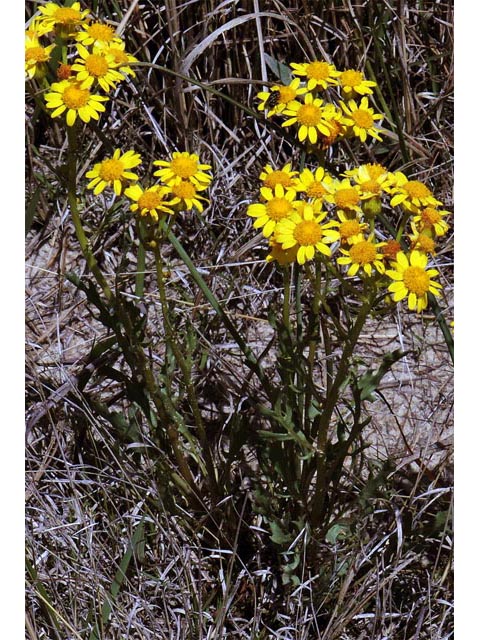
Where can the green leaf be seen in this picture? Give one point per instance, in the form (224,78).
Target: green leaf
(31,209)
(281,70)
(370,380)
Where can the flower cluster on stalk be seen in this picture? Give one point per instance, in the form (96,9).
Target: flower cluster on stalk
(311,214)
(181,179)
(76,59)
(323,103)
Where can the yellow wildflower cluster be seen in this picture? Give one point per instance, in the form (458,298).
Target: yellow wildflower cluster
(324,104)
(182,179)
(76,59)
(311,214)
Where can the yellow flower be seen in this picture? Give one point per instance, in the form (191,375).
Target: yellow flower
(317,73)
(121,59)
(412,279)
(113,172)
(284,176)
(70,97)
(361,119)
(305,230)
(149,202)
(279,203)
(371,178)
(350,229)
(97,33)
(353,82)
(312,117)
(63,19)
(96,67)
(422,242)
(36,29)
(345,196)
(183,166)
(312,182)
(279,96)
(185,194)
(280,255)
(411,194)
(363,254)
(431,219)
(36,56)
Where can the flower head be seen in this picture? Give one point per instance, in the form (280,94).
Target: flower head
(183,166)
(69,96)
(312,118)
(350,229)
(281,255)
(319,74)
(353,82)
(345,196)
(305,229)
(279,96)
(313,182)
(64,20)
(361,119)
(363,254)
(113,172)
(97,33)
(431,219)
(278,204)
(284,176)
(411,194)
(122,60)
(390,249)
(412,280)
(186,195)
(36,57)
(422,242)
(149,202)
(96,66)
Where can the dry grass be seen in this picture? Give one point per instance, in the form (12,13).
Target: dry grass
(100,528)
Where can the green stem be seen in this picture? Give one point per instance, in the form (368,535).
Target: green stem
(77,222)
(318,500)
(182,363)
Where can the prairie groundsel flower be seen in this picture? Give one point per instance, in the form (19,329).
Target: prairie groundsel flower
(70,97)
(183,166)
(185,195)
(122,59)
(278,204)
(318,74)
(363,254)
(391,249)
(361,119)
(345,196)
(284,176)
(312,182)
(113,172)
(276,100)
(305,229)
(312,117)
(64,20)
(431,219)
(281,255)
(413,280)
(350,229)
(149,202)
(422,242)
(97,33)
(411,194)
(353,82)
(36,57)
(96,67)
